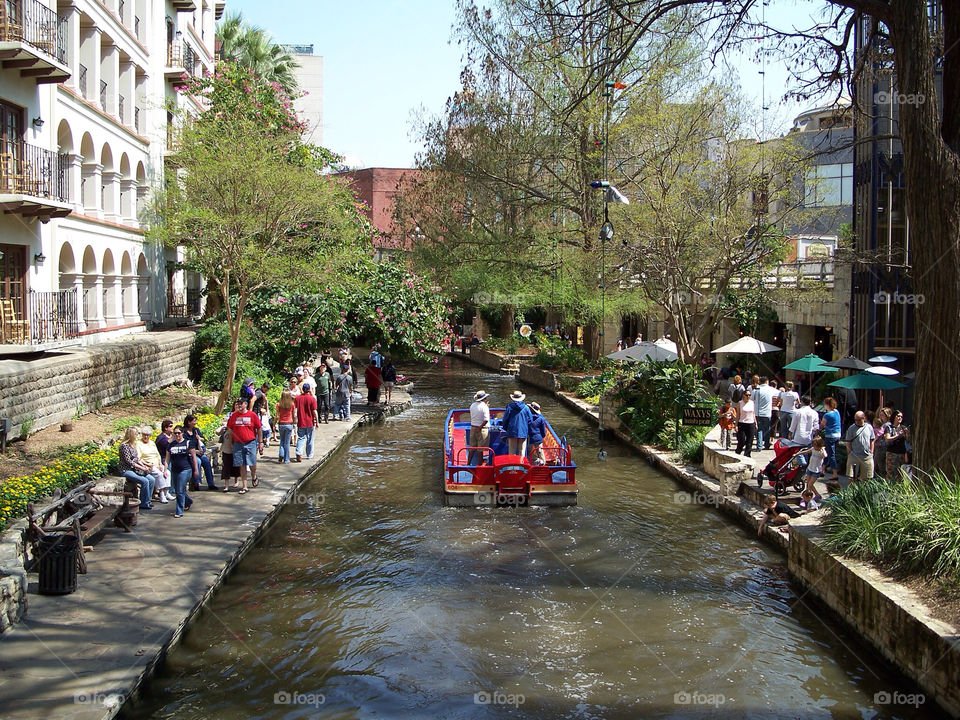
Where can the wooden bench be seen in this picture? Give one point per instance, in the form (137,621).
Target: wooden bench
(81,512)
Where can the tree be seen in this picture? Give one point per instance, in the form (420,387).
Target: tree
(252,48)
(504,208)
(922,38)
(247,200)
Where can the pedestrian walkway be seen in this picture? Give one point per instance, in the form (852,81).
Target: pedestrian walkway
(79,656)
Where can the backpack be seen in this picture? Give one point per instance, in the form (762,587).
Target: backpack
(737,393)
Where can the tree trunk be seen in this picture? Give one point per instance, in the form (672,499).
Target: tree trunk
(227,389)
(507,318)
(932,173)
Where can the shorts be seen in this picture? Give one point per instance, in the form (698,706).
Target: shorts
(245,454)
(813,475)
(387,385)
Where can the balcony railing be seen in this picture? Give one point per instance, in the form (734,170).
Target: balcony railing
(120,115)
(30,22)
(30,170)
(179,54)
(103,94)
(136,28)
(136,120)
(82,81)
(53,316)
(787,275)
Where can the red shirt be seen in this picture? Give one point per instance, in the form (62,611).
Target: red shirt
(372,377)
(306,409)
(244,426)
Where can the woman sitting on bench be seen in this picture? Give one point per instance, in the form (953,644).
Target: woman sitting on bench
(132,469)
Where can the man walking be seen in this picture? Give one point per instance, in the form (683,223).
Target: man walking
(344,387)
(323,394)
(306,406)
(859,440)
(804,425)
(247,433)
(479,428)
(763,403)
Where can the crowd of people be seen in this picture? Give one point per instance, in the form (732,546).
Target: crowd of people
(877,442)
(167,468)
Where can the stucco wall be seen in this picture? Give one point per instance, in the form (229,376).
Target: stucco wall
(49,389)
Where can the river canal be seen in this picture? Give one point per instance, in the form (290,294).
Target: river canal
(369,599)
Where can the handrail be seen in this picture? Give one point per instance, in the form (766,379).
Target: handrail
(30,170)
(33,23)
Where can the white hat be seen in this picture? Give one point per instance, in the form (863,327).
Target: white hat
(480,395)
(517,395)
(535,408)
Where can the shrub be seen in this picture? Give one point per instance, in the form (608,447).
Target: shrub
(908,525)
(650,398)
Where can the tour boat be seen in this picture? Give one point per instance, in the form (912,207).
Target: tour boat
(500,478)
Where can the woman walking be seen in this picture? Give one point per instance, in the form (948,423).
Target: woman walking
(182,461)
(286,420)
(747,424)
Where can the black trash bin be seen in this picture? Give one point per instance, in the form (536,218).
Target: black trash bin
(57,561)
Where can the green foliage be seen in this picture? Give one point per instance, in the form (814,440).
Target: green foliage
(556,354)
(120,425)
(650,398)
(253,49)
(26,426)
(374,303)
(907,525)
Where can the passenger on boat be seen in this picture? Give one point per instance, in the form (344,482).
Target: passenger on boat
(479,428)
(535,434)
(516,421)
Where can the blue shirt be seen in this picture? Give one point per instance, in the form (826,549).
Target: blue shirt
(832,427)
(536,430)
(516,419)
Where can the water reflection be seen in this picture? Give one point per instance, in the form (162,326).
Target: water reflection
(380,602)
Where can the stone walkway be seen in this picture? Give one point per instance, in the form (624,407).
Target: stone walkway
(79,656)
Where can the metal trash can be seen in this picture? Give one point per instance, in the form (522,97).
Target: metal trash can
(57,561)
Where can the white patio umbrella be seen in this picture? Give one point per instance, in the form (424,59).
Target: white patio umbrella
(749,346)
(882,370)
(882,359)
(644,351)
(667,344)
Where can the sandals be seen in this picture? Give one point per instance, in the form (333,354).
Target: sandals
(226,488)
(241,491)
(255,481)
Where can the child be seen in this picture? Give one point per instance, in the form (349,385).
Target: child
(817,453)
(728,423)
(772,514)
(808,501)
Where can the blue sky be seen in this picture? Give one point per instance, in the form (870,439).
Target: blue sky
(385,60)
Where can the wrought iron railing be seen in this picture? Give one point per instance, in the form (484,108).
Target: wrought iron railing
(82,80)
(180,54)
(31,22)
(53,316)
(136,120)
(120,115)
(103,94)
(30,170)
(136,28)
(183,304)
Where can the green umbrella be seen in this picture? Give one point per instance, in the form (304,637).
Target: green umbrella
(810,363)
(867,381)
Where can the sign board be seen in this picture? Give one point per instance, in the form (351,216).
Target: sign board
(698,416)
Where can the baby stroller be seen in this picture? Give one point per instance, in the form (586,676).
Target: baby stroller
(784,470)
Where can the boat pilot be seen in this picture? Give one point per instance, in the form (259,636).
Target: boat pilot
(479,428)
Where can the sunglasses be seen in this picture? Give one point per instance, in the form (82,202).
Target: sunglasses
(178,432)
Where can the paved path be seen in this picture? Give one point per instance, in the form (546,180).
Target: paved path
(78,656)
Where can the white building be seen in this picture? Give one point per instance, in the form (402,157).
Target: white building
(87,90)
(309,106)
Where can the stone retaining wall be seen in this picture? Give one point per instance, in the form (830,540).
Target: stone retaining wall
(494,361)
(539,377)
(50,389)
(888,615)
